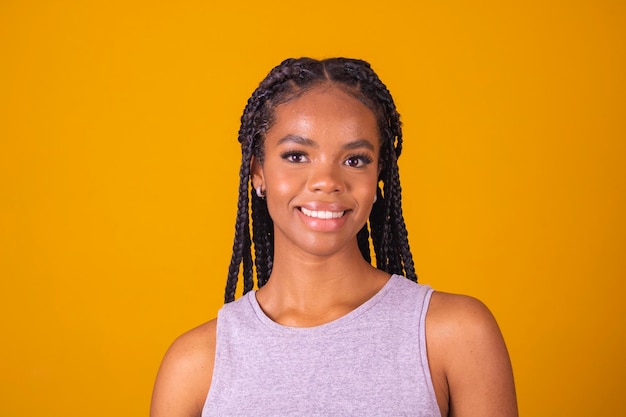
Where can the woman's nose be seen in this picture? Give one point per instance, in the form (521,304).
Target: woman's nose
(326,177)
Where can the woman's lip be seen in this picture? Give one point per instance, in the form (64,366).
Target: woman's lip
(323,206)
(322,224)
(322,214)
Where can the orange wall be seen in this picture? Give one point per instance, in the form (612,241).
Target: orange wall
(119,161)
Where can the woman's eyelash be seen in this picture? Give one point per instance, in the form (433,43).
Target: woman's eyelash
(356,161)
(293,156)
(363,159)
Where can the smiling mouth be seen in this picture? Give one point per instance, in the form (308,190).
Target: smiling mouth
(322,214)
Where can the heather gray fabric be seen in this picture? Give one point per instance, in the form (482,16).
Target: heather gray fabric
(370,362)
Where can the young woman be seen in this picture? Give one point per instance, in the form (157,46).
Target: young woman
(326,333)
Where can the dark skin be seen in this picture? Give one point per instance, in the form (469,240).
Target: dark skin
(319,175)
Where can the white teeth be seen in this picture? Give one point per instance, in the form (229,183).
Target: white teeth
(322,214)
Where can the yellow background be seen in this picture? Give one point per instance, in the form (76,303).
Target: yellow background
(119,170)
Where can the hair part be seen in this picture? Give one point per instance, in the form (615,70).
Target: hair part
(386,226)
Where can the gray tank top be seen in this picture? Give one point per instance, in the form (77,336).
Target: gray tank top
(370,362)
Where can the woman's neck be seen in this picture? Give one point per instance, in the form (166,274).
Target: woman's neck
(306,291)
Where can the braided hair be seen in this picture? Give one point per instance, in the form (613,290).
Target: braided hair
(290,79)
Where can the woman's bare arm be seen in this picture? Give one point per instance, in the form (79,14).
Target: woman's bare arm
(469,361)
(185,375)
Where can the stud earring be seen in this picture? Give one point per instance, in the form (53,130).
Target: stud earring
(259,192)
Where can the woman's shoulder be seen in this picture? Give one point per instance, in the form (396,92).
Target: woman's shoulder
(185,374)
(459,325)
(195,345)
(458,310)
(469,361)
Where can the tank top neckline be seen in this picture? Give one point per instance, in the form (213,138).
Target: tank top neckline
(337,323)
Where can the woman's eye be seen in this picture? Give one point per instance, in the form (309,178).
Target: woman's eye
(358,161)
(294,157)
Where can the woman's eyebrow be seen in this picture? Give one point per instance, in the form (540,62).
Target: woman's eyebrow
(301,140)
(361,143)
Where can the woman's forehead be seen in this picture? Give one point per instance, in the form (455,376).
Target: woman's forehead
(329,106)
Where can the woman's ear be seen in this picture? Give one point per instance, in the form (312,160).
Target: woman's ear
(256,173)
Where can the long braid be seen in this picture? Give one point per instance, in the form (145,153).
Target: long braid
(242,223)
(363,240)
(387,228)
(387,243)
(262,227)
(377,221)
(391,239)
(242,253)
(401,232)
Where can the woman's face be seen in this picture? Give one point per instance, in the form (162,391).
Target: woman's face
(320,171)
